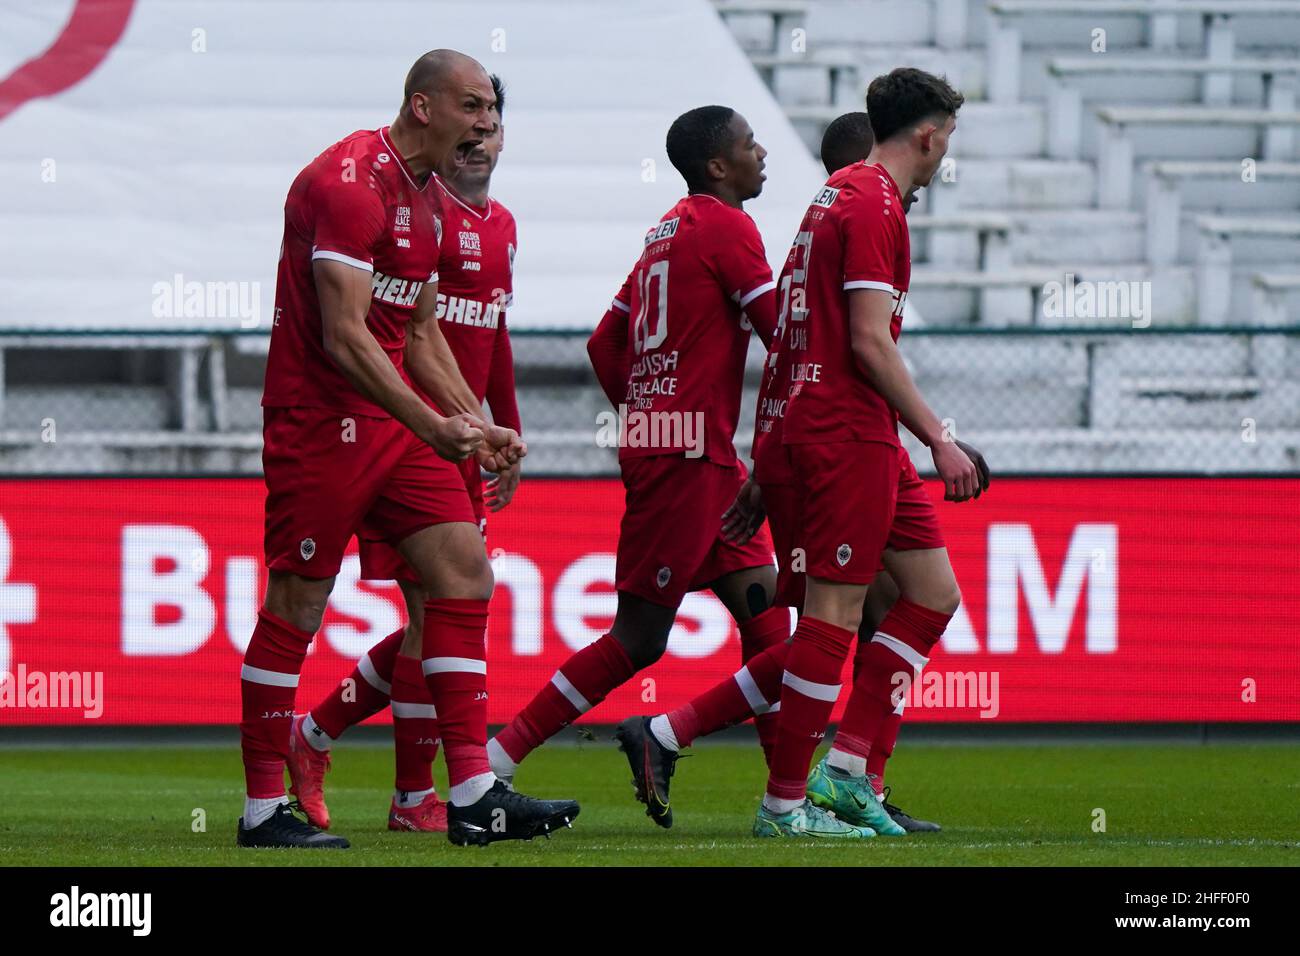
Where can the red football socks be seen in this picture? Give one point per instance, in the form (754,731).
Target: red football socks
(455,669)
(810,686)
(415,727)
(582,682)
(753,691)
(268,682)
(890,661)
(757,635)
(362,693)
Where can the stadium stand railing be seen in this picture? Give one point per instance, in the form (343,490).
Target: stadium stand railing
(1202,226)
(1035,399)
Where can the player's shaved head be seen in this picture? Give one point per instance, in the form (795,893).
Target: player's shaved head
(846,141)
(435,70)
(446,113)
(696,137)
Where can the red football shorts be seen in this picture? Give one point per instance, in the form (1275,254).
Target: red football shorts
(856,500)
(380,561)
(670,540)
(329,472)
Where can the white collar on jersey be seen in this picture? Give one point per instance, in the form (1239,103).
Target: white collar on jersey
(401,163)
(450,194)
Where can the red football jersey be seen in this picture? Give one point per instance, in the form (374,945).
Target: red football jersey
(475,287)
(853,236)
(771,465)
(356,203)
(687,335)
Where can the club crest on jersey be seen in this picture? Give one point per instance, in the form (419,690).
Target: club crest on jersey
(510,256)
(843,554)
(665,230)
(825,197)
(307,548)
(663,577)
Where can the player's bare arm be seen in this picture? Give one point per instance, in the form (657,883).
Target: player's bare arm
(433,368)
(876,353)
(344,294)
(500,491)
(741,521)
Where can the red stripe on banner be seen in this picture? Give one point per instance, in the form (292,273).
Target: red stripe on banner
(1084,600)
(90,33)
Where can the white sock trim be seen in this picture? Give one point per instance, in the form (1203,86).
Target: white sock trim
(453,665)
(404,710)
(753,696)
(909,654)
(842,760)
(662,728)
(366,668)
(780,805)
(824,692)
(501,763)
(571,693)
(312,733)
(472,790)
(257,810)
(406,799)
(258,675)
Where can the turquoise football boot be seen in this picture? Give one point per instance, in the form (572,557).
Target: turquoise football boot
(851,799)
(806,820)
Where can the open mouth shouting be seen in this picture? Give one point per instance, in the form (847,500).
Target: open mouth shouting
(464,150)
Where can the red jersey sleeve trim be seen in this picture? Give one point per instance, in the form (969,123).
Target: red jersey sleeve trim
(346,260)
(621,306)
(868,284)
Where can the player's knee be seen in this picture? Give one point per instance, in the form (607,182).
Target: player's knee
(646,649)
(413,637)
(305,615)
(944,600)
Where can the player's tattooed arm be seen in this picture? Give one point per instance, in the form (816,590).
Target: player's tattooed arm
(877,355)
(344,294)
(433,368)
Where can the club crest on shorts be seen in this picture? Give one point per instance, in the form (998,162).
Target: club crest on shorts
(842,554)
(665,575)
(307,548)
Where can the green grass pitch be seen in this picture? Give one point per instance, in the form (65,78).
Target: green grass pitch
(1173,805)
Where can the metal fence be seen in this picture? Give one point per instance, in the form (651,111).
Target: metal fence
(1048,400)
